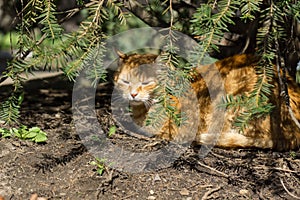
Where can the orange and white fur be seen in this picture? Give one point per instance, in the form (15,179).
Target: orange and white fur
(278,130)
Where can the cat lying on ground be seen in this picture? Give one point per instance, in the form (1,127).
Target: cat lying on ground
(278,130)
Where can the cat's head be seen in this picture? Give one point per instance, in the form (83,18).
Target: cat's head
(136,76)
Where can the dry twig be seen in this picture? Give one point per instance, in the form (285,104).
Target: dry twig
(291,194)
(209,192)
(276,168)
(212,169)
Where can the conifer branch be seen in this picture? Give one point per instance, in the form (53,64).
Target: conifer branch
(70,52)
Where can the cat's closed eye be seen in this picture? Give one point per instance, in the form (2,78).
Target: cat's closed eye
(147,83)
(125,82)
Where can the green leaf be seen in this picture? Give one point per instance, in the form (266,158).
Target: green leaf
(16,132)
(40,137)
(112,130)
(100,171)
(93,163)
(29,135)
(35,129)
(5,133)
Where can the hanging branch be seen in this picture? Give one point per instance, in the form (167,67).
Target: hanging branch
(173,80)
(67,52)
(210,27)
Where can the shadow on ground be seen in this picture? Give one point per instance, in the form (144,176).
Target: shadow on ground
(60,168)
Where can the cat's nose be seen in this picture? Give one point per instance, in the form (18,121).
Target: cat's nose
(133,95)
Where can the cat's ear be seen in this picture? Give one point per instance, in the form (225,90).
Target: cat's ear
(120,54)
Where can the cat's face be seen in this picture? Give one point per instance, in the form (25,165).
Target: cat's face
(136,78)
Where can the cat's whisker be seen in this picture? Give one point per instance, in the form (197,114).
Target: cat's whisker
(147,104)
(150,102)
(117,99)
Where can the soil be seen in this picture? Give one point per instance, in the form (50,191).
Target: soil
(61,167)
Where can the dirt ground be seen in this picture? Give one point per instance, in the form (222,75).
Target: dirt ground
(61,169)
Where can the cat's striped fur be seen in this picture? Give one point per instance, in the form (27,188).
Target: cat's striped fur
(278,131)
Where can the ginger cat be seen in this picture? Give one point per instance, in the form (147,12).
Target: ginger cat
(136,79)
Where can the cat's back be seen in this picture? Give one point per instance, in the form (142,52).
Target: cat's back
(280,129)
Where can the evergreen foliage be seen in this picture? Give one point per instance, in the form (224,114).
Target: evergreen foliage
(173,79)
(40,27)
(273,31)
(210,27)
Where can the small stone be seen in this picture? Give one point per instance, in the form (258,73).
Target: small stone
(34,197)
(157,178)
(41,198)
(151,192)
(151,198)
(244,192)
(184,192)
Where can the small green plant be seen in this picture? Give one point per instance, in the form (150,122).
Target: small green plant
(112,131)
(293,154)
(34,134)
(100,163)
